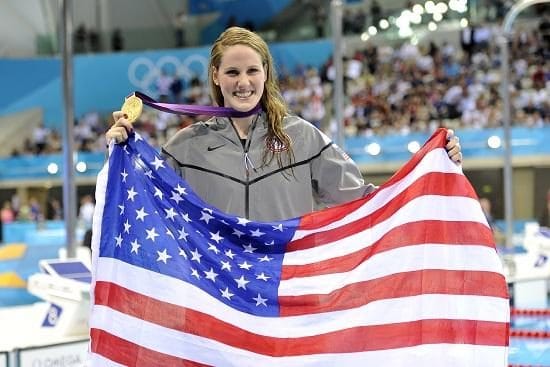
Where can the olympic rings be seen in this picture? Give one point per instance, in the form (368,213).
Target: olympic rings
(143,72)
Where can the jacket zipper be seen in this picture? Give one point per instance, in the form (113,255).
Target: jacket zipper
(247,186)
(247,165)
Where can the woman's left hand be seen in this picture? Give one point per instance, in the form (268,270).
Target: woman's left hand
(453,147)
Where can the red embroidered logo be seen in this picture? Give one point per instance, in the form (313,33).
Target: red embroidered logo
(342,152)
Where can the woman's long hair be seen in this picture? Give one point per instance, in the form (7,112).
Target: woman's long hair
(272,101)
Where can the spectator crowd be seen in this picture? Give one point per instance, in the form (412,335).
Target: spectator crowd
(388,90)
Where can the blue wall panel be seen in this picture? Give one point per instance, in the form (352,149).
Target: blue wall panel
(102,81)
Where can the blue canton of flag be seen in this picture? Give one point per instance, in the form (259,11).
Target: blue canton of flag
(164,227)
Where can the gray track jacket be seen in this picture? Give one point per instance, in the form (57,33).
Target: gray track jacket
(210,157)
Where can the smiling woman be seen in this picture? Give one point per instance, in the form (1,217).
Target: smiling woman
(269,165)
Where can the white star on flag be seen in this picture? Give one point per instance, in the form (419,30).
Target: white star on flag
(131,193)
(206,217)
(257,233)
(242,221)
(248,248)
(242,282)
(260,301)
(163,256)
(151,234)
(226,293)
(141,214)
(170,213)
(216,237)
(158,163)
(210,274)
(135,246)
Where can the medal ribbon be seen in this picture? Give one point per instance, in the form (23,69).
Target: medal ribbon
(184,109)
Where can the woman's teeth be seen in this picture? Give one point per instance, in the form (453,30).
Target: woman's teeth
(243,94)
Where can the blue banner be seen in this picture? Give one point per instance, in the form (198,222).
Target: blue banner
(102,81)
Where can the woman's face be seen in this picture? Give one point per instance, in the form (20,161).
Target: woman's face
(241,77)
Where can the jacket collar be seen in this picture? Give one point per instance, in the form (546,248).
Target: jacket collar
(223,126)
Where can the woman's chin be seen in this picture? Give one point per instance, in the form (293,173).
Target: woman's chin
(244,106)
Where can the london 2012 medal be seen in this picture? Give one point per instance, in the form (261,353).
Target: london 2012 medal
(132,107)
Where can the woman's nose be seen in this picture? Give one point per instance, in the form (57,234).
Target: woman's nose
(242,80)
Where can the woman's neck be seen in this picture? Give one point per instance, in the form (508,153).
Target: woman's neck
(242,125)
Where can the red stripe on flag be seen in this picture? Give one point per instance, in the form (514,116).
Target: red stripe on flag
(130,354)
(413,283)
(435,183)
(408,234)
(356,339)
(328,215)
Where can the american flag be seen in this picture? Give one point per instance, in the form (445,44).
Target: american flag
(407,276)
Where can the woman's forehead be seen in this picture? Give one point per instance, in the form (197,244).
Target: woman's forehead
(240,54)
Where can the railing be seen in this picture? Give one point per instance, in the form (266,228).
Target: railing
(526,143)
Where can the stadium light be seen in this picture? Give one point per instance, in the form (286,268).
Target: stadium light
(441,8)
(459,6)
(384,24)
(429,6)
(373,149)
(413,146)
(81,167)
(494,142)
(415,18)
(53,168)
(418,9)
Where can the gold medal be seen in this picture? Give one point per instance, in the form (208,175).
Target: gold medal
(132,107)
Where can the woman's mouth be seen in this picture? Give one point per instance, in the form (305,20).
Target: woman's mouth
(243,95)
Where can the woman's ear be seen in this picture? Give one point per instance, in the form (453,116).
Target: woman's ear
(215,76)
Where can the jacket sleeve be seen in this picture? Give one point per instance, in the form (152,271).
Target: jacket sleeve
(336,178)
(174,151)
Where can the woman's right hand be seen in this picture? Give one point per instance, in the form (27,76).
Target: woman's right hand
(120,129)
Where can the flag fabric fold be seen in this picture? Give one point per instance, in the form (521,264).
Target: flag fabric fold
(406,276)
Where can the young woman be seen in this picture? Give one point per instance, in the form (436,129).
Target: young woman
(268,166)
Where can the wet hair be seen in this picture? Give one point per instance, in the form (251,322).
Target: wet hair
(272,101)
